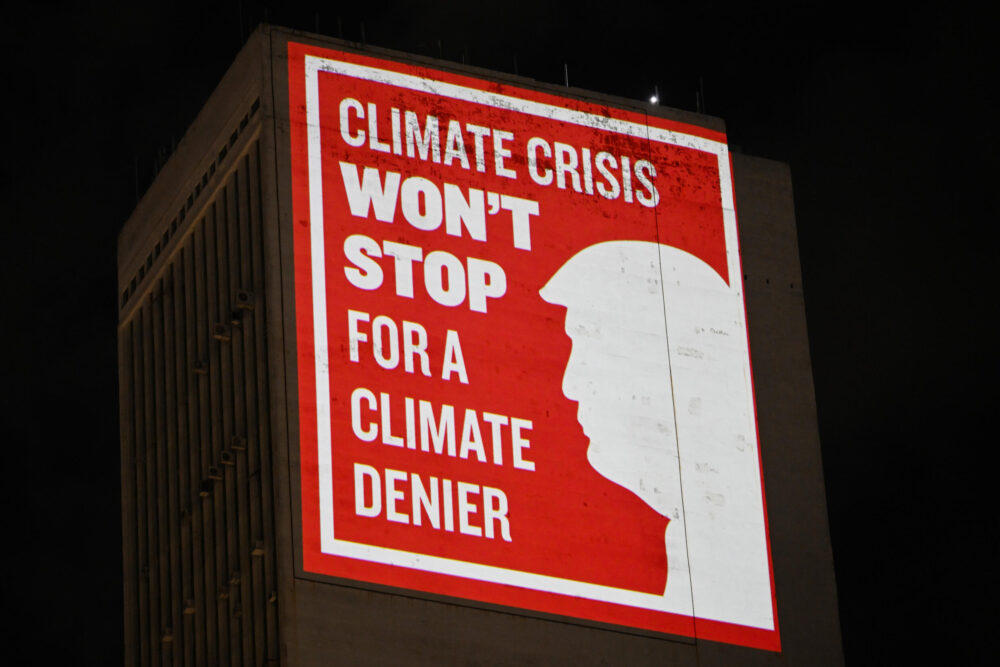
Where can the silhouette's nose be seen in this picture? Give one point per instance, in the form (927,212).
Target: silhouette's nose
(570,383)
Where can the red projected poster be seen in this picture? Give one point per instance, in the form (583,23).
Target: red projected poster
(524,376)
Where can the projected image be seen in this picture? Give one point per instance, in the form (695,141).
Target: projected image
(524,375)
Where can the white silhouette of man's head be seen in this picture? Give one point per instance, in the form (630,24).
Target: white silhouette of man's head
(660,370)
(619,370)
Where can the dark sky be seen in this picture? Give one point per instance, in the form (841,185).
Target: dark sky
(888,120)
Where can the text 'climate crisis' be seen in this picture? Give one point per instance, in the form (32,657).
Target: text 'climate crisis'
(581,169)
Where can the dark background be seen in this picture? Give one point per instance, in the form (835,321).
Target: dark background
(887,119)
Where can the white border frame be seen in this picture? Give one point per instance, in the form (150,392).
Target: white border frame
(329,544)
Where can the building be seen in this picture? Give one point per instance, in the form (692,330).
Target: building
(423,363)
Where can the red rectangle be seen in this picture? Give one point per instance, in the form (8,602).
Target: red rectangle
(522,352)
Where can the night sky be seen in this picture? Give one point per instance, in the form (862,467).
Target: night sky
(888,120)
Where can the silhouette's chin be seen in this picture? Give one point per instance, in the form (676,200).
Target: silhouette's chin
(583,426)
(582,422)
